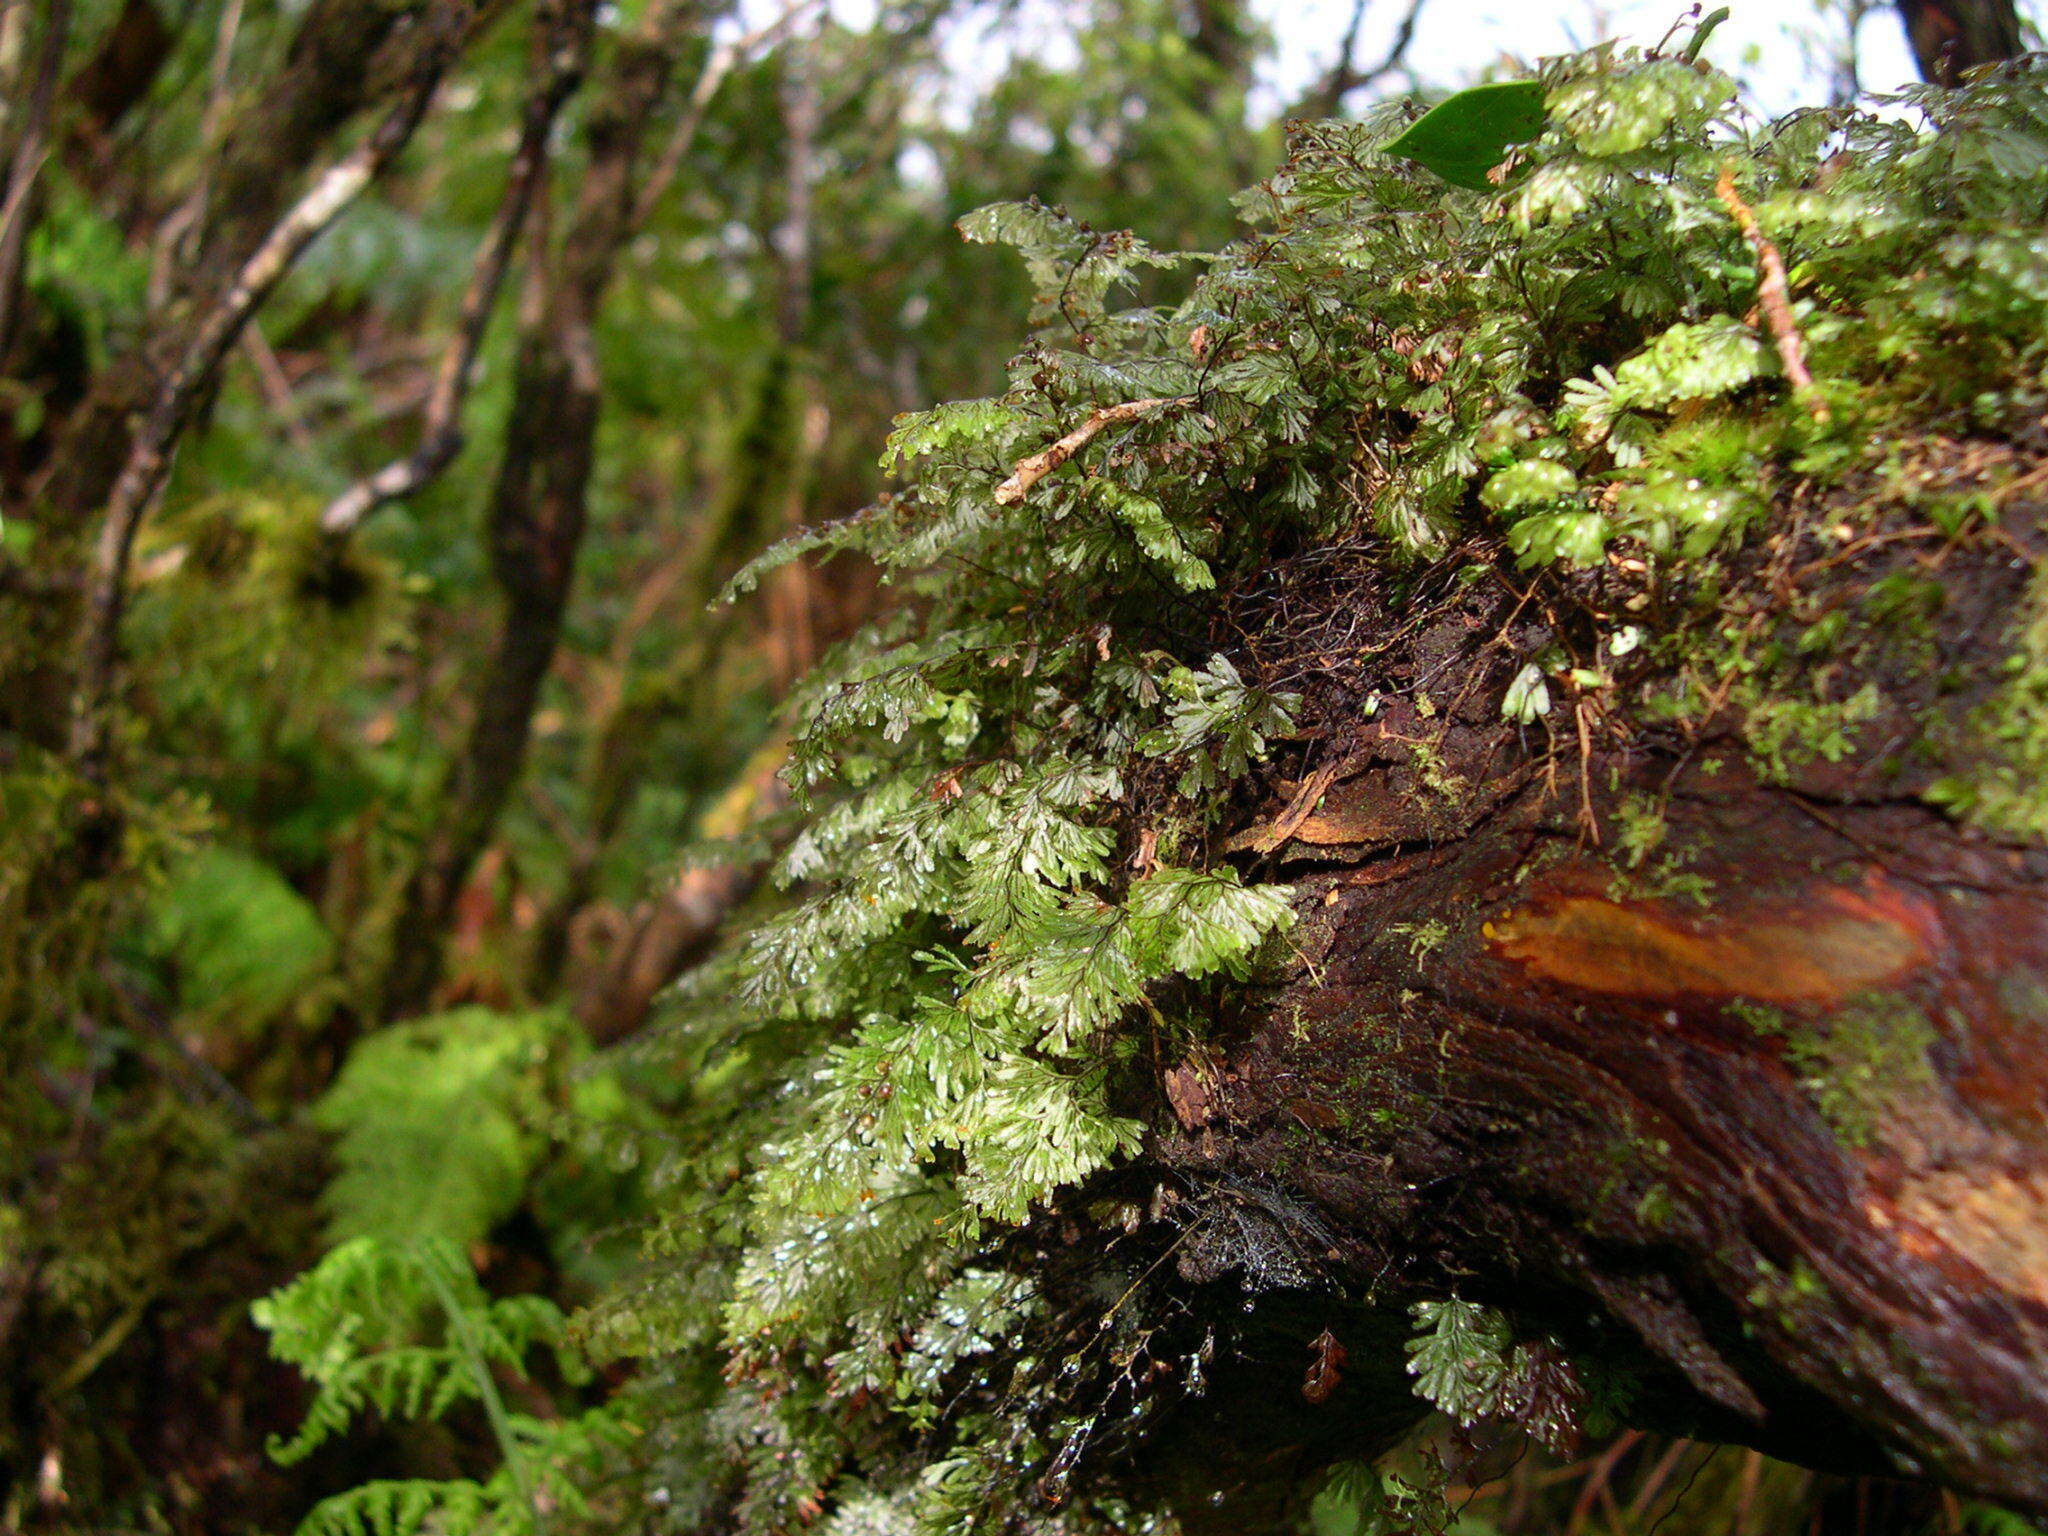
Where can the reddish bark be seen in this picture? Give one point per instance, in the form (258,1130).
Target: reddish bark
(1761,1120)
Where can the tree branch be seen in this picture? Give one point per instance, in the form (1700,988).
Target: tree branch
(562,47)
(346,56)
(724,59)
(1029,471)
(150,452)
(539,501)
(1951,37)
(665,936)
(1774,296)
(1327,99)
(31,149)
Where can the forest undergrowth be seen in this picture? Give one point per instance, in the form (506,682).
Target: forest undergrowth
(1587,420)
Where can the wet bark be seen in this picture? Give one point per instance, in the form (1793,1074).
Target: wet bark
(1742,1106)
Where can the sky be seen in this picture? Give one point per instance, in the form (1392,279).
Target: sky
(1773,45)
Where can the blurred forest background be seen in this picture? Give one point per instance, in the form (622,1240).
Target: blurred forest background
(387,387)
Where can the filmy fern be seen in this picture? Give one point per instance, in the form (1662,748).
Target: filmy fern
(404,1331)
(439,1122)
(1003,895)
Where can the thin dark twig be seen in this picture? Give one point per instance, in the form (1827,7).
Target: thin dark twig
(193,1075)
(1678,1499)
(181,230)
(724,59)
(1345,76)
(563,48)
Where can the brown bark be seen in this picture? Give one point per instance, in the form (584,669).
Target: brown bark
(668,934)
(1949,37)
(538,503)
(131,54)
(1758,1120)
(561,45)
(30,148)
(663,938)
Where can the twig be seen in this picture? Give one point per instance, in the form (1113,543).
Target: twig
(277,386)
(724,59)
(1586,817)
(30,152)
(1266,839)
(194,1077)
(1029,471)
(564,48)
(148,463)
(1596,1480)
(1345,76)
(181,228)
(1774,295)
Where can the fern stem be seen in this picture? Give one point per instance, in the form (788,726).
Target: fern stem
(487,1389)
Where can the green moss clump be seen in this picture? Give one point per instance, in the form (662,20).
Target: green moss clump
(1857,1061)
(2006,789)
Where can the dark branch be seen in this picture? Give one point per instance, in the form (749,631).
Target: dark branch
(1951,37)
(151,449)
(561,47)
(540,498)
(30,151)
(1345,76)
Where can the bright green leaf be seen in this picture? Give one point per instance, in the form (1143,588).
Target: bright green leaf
(1464,138)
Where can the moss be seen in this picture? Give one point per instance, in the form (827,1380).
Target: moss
(1737,663)
(1786,1293)
(1655,1208)
(1761,1017)
(1786,732)
(1640,831)
(1427,758)
(2006,789)
(1423,938)
(1856,1061)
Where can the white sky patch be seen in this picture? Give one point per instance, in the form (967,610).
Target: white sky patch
(1780,49)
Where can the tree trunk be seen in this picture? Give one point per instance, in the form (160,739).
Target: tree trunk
(1730,1081)
(539,502)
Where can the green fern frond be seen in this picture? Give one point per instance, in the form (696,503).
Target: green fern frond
(439,1123)
(402,1331)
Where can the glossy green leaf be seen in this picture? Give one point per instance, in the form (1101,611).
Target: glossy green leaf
(1464,138)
